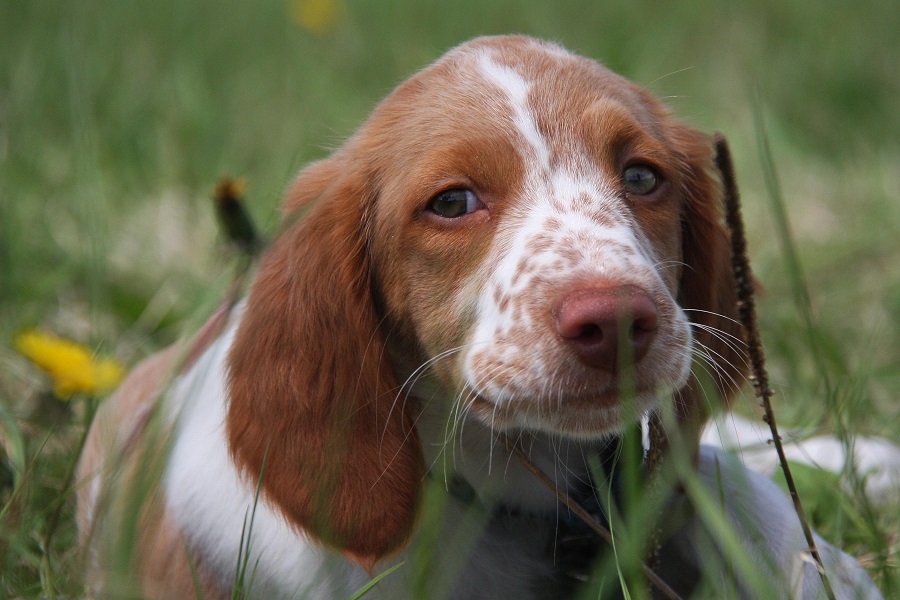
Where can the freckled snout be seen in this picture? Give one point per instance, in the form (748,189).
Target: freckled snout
(594,321)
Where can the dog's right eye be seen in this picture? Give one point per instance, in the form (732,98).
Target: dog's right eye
(455,203)
(640,180)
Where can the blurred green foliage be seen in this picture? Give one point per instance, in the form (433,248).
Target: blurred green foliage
(106,105)
(117,119)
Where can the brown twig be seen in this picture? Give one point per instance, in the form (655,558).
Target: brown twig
(747,313)
(582,514)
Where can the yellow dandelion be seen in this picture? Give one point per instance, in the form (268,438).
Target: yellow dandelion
(70,365)
(316,16)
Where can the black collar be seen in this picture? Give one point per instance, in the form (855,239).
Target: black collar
(587,495)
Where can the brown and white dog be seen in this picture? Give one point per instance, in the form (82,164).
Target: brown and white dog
(511,227)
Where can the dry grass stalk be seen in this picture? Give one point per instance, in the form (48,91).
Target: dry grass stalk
(747,312)
(658,447)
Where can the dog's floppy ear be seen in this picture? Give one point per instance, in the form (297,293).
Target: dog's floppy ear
(707,292)
(313,406)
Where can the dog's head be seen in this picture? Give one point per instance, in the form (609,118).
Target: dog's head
(522,225)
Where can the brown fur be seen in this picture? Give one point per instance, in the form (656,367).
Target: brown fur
(313,396)
(707,287)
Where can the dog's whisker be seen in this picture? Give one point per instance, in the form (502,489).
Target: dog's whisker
(739,353)
(668,264)
(716,361)
(715,369)
(413,377)
(713,313)
(734,343)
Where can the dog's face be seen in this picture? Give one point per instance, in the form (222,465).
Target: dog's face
(519,227)
(516,183)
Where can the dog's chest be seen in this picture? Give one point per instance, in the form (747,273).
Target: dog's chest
(469,553)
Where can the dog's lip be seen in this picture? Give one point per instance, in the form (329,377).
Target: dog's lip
(585,425)
(606,398)
(588,413)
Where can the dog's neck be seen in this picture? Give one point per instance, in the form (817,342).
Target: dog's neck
(550,548)
(468,455)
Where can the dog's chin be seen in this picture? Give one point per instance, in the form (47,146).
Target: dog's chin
(579,420)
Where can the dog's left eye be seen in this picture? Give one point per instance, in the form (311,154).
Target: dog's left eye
(455,203)
(640,180)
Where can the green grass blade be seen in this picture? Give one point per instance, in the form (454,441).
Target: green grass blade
(369,586)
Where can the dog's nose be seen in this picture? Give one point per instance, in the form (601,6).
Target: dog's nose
(606,325)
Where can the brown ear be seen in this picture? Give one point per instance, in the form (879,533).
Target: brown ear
(708,293)
(313,398)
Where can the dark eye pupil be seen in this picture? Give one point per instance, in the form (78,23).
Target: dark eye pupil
(640,179)
(453,203)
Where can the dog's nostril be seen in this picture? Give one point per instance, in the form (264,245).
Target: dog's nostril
(590,332)
(643,327)
(640,337)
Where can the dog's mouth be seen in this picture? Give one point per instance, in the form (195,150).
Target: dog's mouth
(587,417)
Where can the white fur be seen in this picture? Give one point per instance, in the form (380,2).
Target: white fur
(516,90)
(212,504)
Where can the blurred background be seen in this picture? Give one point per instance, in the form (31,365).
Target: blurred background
(118,118)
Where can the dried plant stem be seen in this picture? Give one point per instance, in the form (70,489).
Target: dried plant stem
(747,313)
(659,446)
(659,443)
(582,514)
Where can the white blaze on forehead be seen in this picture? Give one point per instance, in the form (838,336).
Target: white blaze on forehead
(516,89)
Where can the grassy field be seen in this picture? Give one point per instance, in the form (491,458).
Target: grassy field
(117,118)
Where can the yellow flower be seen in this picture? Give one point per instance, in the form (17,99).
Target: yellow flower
(71,366)
(316,16)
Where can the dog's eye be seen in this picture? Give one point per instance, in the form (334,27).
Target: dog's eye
(640,180)
(455,203)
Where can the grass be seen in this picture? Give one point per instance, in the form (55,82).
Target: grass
(117,118)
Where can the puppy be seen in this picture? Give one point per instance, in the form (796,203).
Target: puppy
(517,240)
